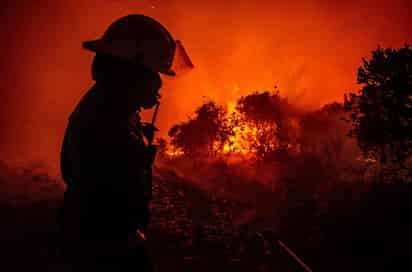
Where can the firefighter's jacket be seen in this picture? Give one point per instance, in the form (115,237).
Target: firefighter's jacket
(107,168)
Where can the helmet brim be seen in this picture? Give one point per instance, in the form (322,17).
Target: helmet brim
(98,46)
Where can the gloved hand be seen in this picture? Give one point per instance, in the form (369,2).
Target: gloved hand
(149,130)
(152,151)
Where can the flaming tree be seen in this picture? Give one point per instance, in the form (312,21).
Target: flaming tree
(270,115)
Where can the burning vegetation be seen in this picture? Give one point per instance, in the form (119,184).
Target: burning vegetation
(253,127)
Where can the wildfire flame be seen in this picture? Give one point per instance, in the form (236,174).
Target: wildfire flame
(241,142)
(242,132)
(174,152)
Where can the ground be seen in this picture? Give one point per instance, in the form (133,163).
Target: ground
(191,230)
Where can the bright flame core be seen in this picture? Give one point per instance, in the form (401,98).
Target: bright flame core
(242,132)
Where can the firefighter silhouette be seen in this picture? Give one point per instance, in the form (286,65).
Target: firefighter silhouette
(107,152)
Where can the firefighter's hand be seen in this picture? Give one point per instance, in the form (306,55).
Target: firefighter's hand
(151,151)
(149,130)
(137,242)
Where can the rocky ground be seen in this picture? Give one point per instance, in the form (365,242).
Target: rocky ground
(196,231)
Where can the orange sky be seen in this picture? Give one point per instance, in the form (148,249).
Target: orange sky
(311,49)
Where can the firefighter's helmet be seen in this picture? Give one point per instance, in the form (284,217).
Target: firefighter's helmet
(139,39)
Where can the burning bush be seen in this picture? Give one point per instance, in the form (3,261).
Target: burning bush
(254,126)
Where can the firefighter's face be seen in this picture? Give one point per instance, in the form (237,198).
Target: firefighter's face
(146,93)
(150,97)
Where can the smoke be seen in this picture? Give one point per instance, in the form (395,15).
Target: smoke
(310,49)
(27,185)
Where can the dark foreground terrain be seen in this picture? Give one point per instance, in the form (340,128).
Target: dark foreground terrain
(191,230)
(355,227)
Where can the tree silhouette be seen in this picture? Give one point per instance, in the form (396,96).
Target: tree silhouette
(381,111)
(203,133)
